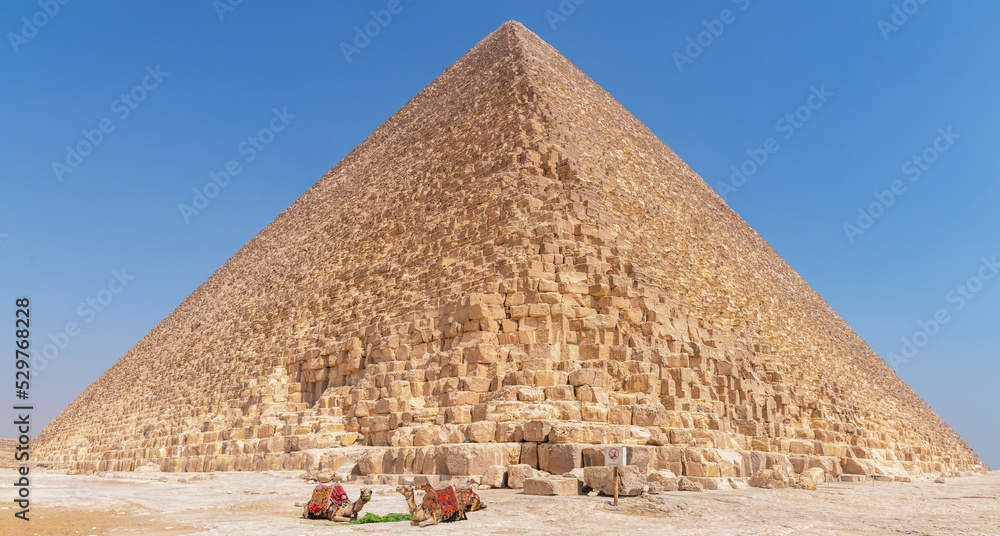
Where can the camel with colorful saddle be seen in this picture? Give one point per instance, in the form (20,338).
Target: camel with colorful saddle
(331,502)
(440,505)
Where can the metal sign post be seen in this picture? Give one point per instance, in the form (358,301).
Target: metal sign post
(615,457)
(616,484)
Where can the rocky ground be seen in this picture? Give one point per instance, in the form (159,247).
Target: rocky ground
(153,504)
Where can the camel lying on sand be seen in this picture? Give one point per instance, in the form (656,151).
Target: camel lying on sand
(332,503)
(432,509)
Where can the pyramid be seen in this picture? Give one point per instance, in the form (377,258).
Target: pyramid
(510,269)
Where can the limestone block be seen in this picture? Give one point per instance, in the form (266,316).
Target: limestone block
(811,478)
(569,432)
(423,436)
(550,378)
(594,413)
(769,479)
(711,483)
(595,395)
(630,481)
(550,486)
(517,474)
(509,432)
(472,459)
(562,458)
(537,431)
(560,392)
(662,480)
(621,414)
(801,446)
(458,415)
(529,454)
(854,466)
(643,415)
(590,377)
(495,476)
(482,431)
(370,461)
(644,383)
(686,484)
(331,461)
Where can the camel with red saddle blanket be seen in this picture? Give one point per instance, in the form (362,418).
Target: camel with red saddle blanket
(331,502)
(439,505)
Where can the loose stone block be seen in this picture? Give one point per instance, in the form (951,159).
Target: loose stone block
(517,474)
(550,486)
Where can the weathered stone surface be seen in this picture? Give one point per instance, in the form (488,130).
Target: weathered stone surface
(770,479)
(370,462)
(601,478)
(482,431)
(598,478)
(510,257)
(811,478)
(469,459)
(323,476)
(517,474)
(855,466)
(495,476)
(332,461)
(661,481)
(578,475)
(631,481)
(553,485)
(686,484)
(562,458)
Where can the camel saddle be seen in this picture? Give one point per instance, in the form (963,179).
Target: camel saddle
(324,497)
(445,498)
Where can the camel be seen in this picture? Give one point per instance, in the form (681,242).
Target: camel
(328,504)
(470,499)
(421,516)
(428,512)
(349,511)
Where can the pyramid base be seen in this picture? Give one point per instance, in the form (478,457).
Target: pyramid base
(463,460)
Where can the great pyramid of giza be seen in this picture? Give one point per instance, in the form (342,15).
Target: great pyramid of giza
(511,268)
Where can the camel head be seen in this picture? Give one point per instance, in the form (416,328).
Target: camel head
(426,487)
(366,494)
(407,491)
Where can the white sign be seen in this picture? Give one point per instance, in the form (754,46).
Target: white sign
(614,456)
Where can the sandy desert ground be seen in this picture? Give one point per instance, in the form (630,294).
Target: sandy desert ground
(175,504)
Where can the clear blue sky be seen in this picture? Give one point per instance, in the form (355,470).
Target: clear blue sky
(887,92)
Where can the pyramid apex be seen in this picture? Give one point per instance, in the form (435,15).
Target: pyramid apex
(512,29)
(513,24)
